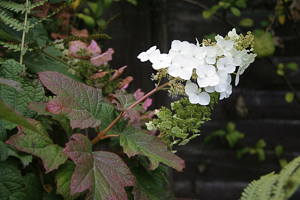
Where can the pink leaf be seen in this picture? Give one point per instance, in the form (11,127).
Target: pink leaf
(138,94)
(103,173)
(78,102)
(125,101)
(118,73)
(103,58)
(75,46)
(93,48)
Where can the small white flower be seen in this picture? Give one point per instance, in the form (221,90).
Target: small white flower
(226,63)
(144,56)
(223,46)
(226,93)
(160,61)
(196,95)
(225,80)
(182,67)
(207,75)
(232,35)
(211,55)
(236,56)
(150,126)
(177,47)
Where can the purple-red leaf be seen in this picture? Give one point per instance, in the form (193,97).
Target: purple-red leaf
(78,102)
(38,144)
(135,141)
(103,173)
(125,101)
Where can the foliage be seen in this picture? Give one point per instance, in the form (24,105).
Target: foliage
(231,135)
(275,186)
(258,149)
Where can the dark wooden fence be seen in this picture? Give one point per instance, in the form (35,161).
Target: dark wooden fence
(214,172)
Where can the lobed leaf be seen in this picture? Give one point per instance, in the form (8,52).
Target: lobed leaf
(78,102)
(63,179)
(135,141)
(103,173)
(33,91)
(7,113)
(33,189)
(11,179)
(147,187)
(125,101)
(38,144)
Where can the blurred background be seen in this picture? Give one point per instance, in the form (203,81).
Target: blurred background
(255,131)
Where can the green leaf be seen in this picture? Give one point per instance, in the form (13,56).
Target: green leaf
(4,151)
(41,62)
(208,138)
(8,33)
(33,189)
(109,114)
(289,97)
(206,14)
(292,66)
(246,22)
(104,173)
(14,84)
(78,102)
(24,157)
(135,141)
(7,113)
(147,187)
(278,150)
(88,20)
(107,3)
(235,11)
(33,91)
(63,179)
(125,101)
(10,178)
(3,134)
(38,144)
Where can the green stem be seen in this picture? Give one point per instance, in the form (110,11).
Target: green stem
(24,32)
(56,58)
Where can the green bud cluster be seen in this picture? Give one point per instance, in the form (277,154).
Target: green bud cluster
(181,124)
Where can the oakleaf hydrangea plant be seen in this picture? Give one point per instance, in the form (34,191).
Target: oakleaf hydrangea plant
(203,72)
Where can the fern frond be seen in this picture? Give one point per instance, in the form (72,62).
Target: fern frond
(15,24)
(55,12)
(275,186)
(260,189)
(13,6)
(73,38)
(37,4)
(280,188)
(15,47)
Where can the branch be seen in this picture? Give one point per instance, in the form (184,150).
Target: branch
(101,135)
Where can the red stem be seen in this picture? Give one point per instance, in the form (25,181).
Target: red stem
(102,134)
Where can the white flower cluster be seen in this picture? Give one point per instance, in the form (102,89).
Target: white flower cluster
(213,65)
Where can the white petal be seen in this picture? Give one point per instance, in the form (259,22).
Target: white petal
(194,99)
(202,82)
(213,80)
(204,98)
(237,79)
(143,56)
(221,87)
(210,70)
(201,71)
(186,74)
(211,51)
(176,45)
(174,70)
(200,52)
(210,89)
(210,60)
(191,88)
